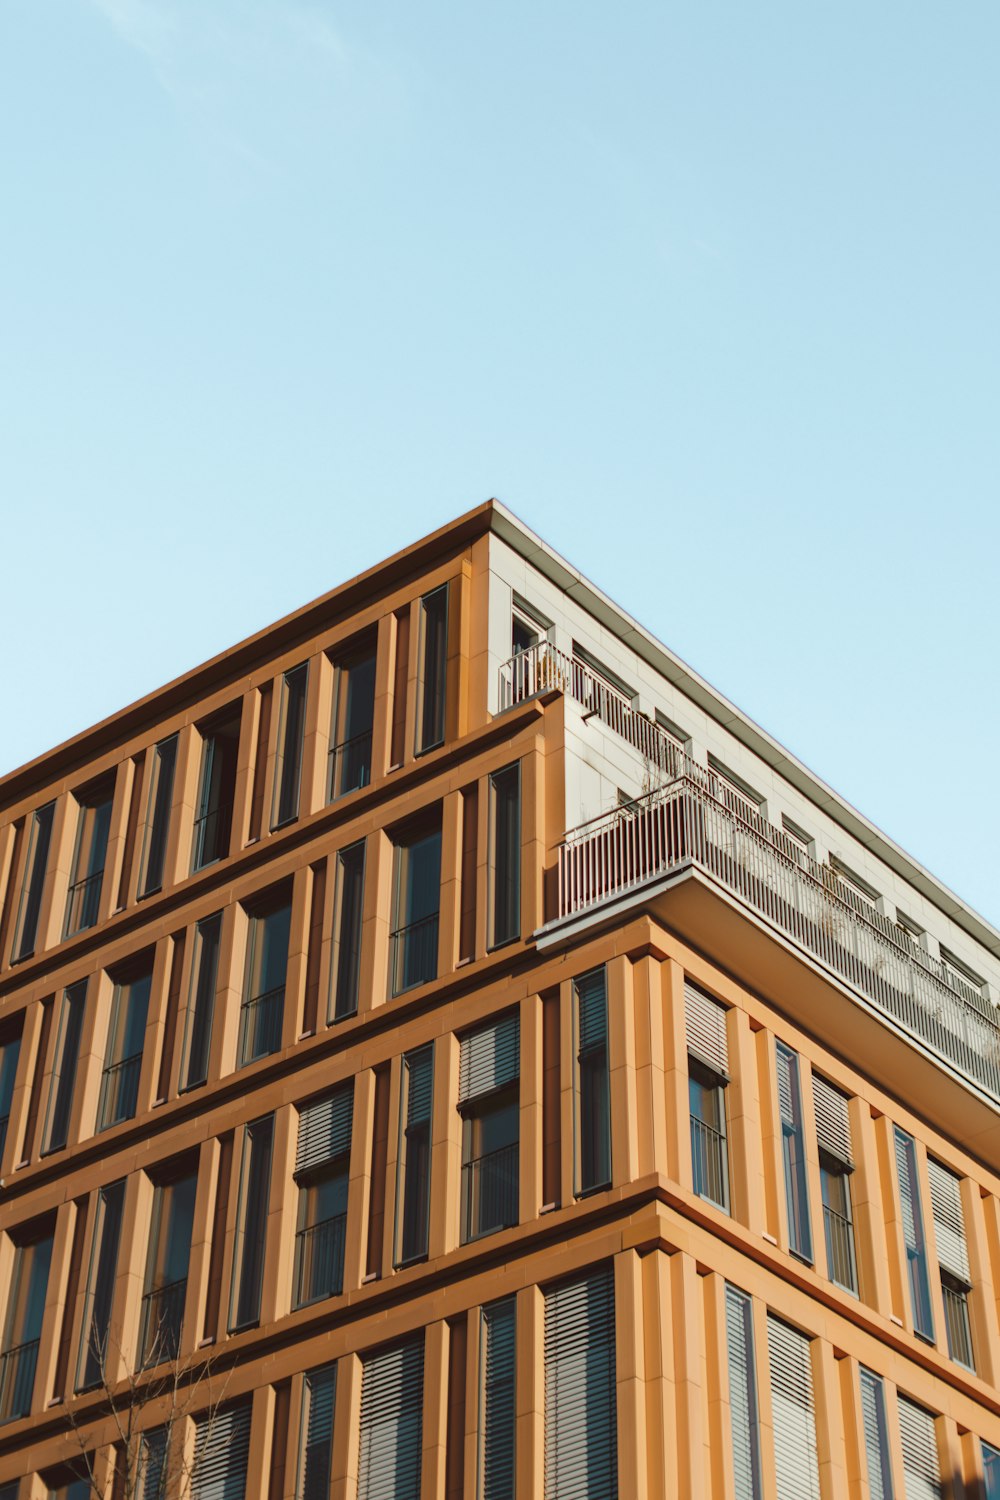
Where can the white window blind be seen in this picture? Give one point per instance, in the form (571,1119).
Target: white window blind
(949,1223)
(221,1450)
(392,1398)
(833,1127)
(706,1029)
(921,1470)
(876,1437)
(909,1191)
(490,1057)
(796,1461)
(743,1409)
(499,1329)
(581,1439)
(325,1129)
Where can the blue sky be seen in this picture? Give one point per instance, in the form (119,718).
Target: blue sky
(708,294)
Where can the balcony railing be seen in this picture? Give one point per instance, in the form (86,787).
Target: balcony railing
(82,903)
(119,1091)
(350,764)
(414,954)
(840,1249)
(490,1192)
(211,835)
(17,1380)
(162,1320)
(261,1020)
(319,1260)
(709,1166)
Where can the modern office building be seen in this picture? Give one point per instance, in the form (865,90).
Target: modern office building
(447,1050)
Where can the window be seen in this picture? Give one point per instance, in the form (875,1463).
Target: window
(221,1455)
(220,747)
(291,737)
(593,1091)
(793,1152)
(322,1166)
(100,1285)
(913,1235)
(89,854)
(833,1135)
(524,633)
(251,1223)
(581,1439)
(796,1461)
(64,1073)
(263,1010)
(319,1395)
(345,975)
(708,1075)
(853,889)
(953,1259)
(735,793)
(201,1002)
(415,910)
(353,717)
(23,1329)
(71,1483)
(744,1413)
(488,1100)
(505,855)
(35,867)
(123,1059)
(796,843)
(10,1051)
(432,669)
(392,1399)
(918,1437)
(414,1191)
(167,1261)
(152,1458)
(497,1348)
(161,792)
(879,1462)
(991,1473)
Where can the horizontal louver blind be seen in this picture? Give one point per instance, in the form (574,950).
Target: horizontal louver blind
(499,1334)
(581,1440)
(796,1463)
(876,1444)
(152,1480)
(325,1129)
(706,1029)
(490,1058)
(392,1398)
(320,1396)
(221,1449)
(592,1010)
(419,1086)
(785,1061)
(742,1395)
(921,1471)
(909,1194)
(949,1225)
(833,1127)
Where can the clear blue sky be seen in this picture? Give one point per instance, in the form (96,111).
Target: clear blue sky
(707,293)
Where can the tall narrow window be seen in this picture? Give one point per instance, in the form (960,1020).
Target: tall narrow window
(322,1166)
(708,1075)
(953,1259)
(414,1192)
(991,1473)
(796,1461)
(63,1080)
(488,1101)
(23,1328)
(220,746)
(913,1235)
(100,1285)
(392,1400)
(35,867)
(415,910)
(581,1439)
(158,805)
(123,1059)
(432,669)
(833,1136)
(348,916)
(353,717)
(89,855)
(167,1262)
(291,737)
(593,1092)
(918,1438)
(319,1395)
(263,1009)
(10,1051)
(497,1343)
(69,1483)
(793,1152)
(744,1412)
(251,1223)
(877,1452)
(505,855)
(201,1003)
(222,1454)
(152,1461)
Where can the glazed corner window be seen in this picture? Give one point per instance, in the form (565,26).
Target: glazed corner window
(593,1084)
(89,854)
(123,1058)
(251,1224)
(353,718)
(505,855)
(100,1286)
(167,1261)
(291,737)
(322,1164)
(263,1009)
(432,669)
(793,1152)
(10,1051)
(345,974)
(23,1327)
(708,1076)
(63,1079)
(953,1259)
(833,1136)
(416,904)
(414,1180)
(35,867)
(220,745)
(158,805)
(489,1067)
(201,1003)
(913,1235)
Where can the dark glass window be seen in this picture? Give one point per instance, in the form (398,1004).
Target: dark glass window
(89,855)
(505,861)
(69,1484)
(489,1102)
(10,1051)
(167,1269)
(414,955)
(123,1060)
(353,717)
(216,791)
(35,867)
(415,1154)
(497,1394)
(432,667)
(291,736)
(350,895)
(251,1223)
(319,1394)
(593,1113)
(991,1472)
(64,1074)
(201,1008)
(101,1285)
(25,1310)
(913,1235)
(160,801)
(263,1006)
(793,1152)
(709,1150)
(838,1222)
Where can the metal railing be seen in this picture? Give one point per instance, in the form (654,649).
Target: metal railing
(490,1192)
(119,1091)
(261,1020)
(414,954)
(319,1260)
(841,1266)
(162,1321)
(957,1324)
(709,1163)
(211,835)
(17,1380)
(82,903)
(350,764)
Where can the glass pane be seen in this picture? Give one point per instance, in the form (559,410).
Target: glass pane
(433,668)
(505,873)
